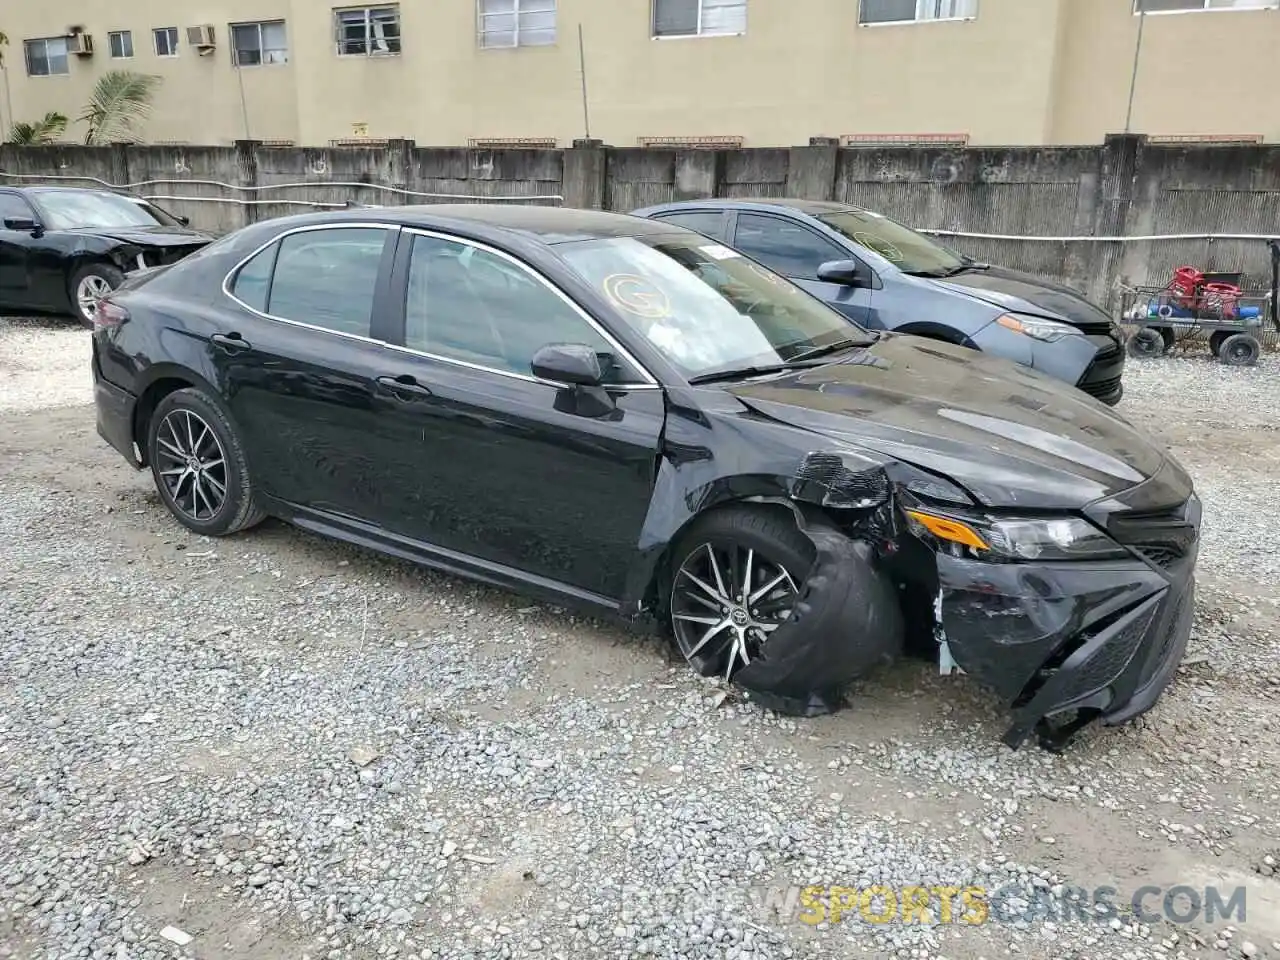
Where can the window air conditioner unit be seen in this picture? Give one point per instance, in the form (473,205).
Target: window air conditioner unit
(81,44)
(202,36)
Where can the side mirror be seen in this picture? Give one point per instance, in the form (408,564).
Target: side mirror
(184,220)
(24,224)
(848,273)
(575,364)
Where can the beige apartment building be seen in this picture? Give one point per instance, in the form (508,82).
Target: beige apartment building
(758,72)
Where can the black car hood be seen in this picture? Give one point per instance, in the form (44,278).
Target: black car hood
(1024,293)
(143,236)
(1014,438)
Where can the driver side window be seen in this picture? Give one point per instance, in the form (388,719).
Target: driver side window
(13,206)
(472,306)
(788,248)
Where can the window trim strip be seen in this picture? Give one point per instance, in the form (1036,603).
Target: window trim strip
(649,383)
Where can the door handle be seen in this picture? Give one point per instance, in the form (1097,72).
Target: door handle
(230,342)
(403,386)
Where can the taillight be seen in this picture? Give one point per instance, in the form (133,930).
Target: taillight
(108,314)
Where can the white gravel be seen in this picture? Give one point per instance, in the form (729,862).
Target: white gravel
(283,747)
(43,363)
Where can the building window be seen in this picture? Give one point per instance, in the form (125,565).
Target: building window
(47,57)
(166,41)
(699,18)
(255,44)
(1175,6)
(915,11)
(120,43)
(367,31)
(517,23)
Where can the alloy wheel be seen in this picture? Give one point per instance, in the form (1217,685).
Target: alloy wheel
(191,465)
(91,289)
(725,601)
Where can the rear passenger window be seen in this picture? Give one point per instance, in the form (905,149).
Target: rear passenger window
(707,222)
(324,278)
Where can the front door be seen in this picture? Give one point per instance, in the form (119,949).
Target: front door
(500,466)
(299,367)
(795,251)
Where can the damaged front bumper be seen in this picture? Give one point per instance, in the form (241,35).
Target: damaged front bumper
(1068,643)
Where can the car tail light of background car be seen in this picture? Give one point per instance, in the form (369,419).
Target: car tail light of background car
(107,314)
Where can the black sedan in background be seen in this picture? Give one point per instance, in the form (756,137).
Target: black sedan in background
(628,416)
(61,248)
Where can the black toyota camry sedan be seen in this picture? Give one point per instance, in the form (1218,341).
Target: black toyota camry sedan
(62,248)
(630,417)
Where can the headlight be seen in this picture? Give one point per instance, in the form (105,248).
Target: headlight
(1001,539)
(1050,331)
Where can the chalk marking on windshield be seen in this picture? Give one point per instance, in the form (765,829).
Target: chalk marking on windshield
(637,296)
(882,247)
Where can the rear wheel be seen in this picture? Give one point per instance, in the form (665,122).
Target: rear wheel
(1216,340)
(737,575)
(199,465)
(1146,342)
(1239,350)
(90,284)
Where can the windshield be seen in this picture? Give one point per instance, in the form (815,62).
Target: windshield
(705,307)
(911,252)
(69,210)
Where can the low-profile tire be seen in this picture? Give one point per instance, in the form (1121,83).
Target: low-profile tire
(198,465)
(1146,343)
(89,284)
(1216,340)
(715,625)
(1240,350)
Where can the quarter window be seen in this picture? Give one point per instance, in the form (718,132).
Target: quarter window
(473,306)
(913,11)
(46,57)
(517,23)
(324,278)
(120,43)
(368,31)
(166,39)
(254,44)
(699,18)
(784,247)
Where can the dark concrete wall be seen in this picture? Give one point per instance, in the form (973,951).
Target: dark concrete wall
(1026,199)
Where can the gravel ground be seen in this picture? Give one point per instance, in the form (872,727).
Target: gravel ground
(285,747)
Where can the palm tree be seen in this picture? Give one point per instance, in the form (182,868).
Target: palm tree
(120,99)
(3,43)
(43,131)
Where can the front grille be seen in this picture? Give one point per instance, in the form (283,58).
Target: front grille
(1109,661)
(1163,536)
(1101,388)
(1100,328)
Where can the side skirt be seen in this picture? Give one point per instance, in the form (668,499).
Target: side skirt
(373,537)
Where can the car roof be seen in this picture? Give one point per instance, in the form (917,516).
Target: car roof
(546,224)
(814,208)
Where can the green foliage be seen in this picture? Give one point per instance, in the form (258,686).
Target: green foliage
(121,98)
(42,131)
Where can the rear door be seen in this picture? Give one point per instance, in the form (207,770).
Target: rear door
(796,251)
(299,362)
